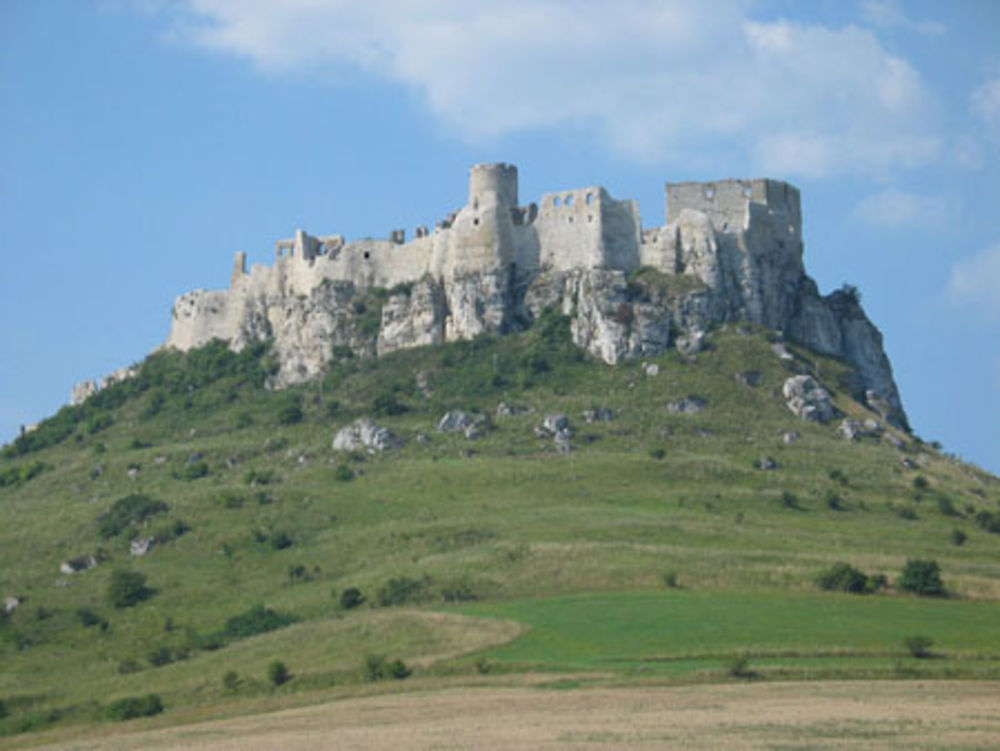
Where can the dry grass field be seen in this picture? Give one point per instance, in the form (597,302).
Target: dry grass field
(833,715)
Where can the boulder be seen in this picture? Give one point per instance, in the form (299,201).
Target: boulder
(10,604)
(77,565)
(691,343)
(509,410)
(598,414)
(807,399)
(790,436)
(853,429)
(779,349)
(562,441)
(652,370)
(364,434)
(455,421)
(767,463)
(555,422)
(689,405)
(474,431)
(141,545)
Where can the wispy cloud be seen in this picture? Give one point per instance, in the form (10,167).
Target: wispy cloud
(889,14)
(664,81)
(975,282)
(898,209)
(986,102)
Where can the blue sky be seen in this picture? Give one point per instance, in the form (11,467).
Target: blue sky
(143,142)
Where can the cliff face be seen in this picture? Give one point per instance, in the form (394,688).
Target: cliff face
(730,251)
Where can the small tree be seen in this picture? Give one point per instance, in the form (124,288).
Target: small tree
(231,680)
(351,598)
(918,646)
(277,673)
(922,577)
(127,588)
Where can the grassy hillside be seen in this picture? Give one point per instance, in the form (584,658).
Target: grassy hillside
(254,515)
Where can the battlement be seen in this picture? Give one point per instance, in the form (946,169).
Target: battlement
(493,183)
(726,202)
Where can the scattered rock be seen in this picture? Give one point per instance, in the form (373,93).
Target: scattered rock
(701,432)
(807,399)
(751,378)
(689,405)
(652,370)
(790,436)
(691,343)
(779,349)
(555,422)
(541,431)
(895,441)
(160,460)
(598,414)
(666,432)
(853,429)
(509,410)
(908,463)
(364,434)
(878,403)
(562,441)
(454,421)
(78,565)
(474,431)
(767,463)
(132,472)
(97,472)
(10,604)
(423,379)
(423,440)
(141,545)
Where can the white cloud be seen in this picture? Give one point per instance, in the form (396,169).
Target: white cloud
(986,102)
(975,282)
(656,80)
(889,14)
(898,209)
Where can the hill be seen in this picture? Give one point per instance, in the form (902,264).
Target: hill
(206,529)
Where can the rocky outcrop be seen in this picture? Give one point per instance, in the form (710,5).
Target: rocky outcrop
(364,435)
(807,399)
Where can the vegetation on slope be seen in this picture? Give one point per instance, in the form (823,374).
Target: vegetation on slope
(250,519)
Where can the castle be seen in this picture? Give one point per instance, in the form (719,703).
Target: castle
(495,264)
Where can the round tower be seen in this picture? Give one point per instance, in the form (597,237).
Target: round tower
(493,183)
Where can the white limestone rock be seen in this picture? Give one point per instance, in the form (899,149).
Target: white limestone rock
(454,421)
(364,435)
(807,399)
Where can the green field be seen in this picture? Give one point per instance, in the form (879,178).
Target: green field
(676,632)
(250,507)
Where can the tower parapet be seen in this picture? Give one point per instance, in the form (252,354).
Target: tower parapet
(493,183)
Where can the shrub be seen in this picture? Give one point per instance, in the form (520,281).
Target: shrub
(905,512)
(280,540)
(231,680)
(834,502)
(243,420)
(958,537)
(922,577)
(277,673)
(657,453)
(918,646)
(989,521)
(290,414)
(3,709)
(387,405)
(789,500)
(89,618)
(351,598)
(739,667)
(135,706)
(670,580)
(127,667)
(260,477)
(920,483)
(160,657)
(343,473)
(129,511)
(402,590)
(257,620)
(377,668)
(947,506)
(837,476)
(194,470)
(97,423)
(843,577)
(127,588)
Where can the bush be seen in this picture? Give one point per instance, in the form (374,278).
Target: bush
(160,657)
(834,502)
(843,577)
(351,598)
(989,521)
(386,405)
(127,667)
(194,470)
(129,511)
(231,680)
(918,646)
(947,506)
(135,706)
(280,540)
(920,483)
(958,537)
(922,577)
(260,477)
(402,590)
(739,667)
(377,668)
(127,588)
(343,473)
(277,673)
(257,620)
(789,500)
(290,414)
(837,476)
(657,453)
(670,580)
(89,618)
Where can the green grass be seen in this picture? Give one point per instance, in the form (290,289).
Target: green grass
(498,519)
(680,631)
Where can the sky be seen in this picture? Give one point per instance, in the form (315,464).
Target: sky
(143,142)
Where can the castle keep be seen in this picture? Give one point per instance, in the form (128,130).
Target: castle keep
(733,248)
